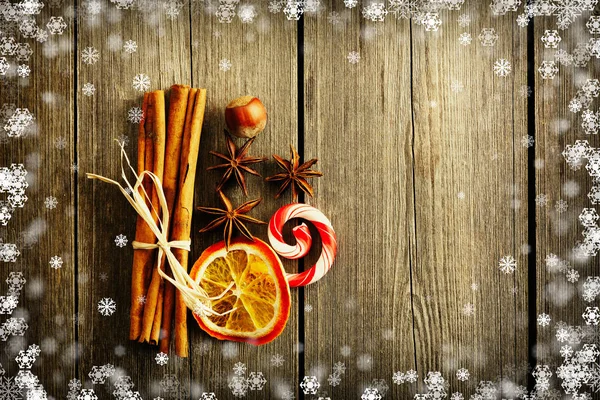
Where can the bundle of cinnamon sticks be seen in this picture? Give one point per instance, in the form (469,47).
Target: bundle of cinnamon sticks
(168,146)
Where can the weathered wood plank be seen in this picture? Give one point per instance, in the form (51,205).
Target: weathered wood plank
(263,64)
(465,172)
(358,123)
(48,298)
(163,55)
(558,232)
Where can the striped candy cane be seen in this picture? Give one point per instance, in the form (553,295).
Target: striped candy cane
(303,241)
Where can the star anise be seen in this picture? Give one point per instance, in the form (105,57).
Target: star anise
(295,174)
(232,218)
(237,163)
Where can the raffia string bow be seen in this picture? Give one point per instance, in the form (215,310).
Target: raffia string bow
(195,298)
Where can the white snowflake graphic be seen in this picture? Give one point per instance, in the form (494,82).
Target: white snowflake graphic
(23,70)
(246,13)
(551,39)
(465,39)
(277,360)
(310,385)
(468,309)
(548,69)
(141,82)
(56,262)
(527,141)
(224,64)
(56,26)
(398,377)
(50,202)
(370,394)
(353,57)
(88,89)
(107,306)
(375,11)
(462,374)
(90,55)
(543,319)
(239,368)
(561,206)
(135,115)
(60,143)
(339,368)
(161,358)
(464,20)
(334,379)
(502,67)
(9,389)
(507,264)
(121,240)
(256,381)
(130,46)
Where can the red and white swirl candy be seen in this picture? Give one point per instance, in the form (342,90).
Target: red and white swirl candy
(303,241)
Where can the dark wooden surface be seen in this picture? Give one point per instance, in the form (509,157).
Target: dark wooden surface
(427,188)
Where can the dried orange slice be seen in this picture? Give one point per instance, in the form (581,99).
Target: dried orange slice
(259,297)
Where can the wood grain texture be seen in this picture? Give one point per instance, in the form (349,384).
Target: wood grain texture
(558,232)
(47,301)
(465,161)
(263,64)
(426,186)
(361,310)
(162,55)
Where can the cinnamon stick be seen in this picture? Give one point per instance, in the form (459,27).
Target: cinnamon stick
(176,117)
(141,258)
(183,209)
(156,323)
(159,122)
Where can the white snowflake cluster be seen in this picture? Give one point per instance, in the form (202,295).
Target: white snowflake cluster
(25,379)
(542,374)
(100,373)
(172,8)
(591,288)
(8,303)
(17,123)
(409,376)
(487,390)
(436,386)
(13,182)
(578,367)
(239,384)
(123,389)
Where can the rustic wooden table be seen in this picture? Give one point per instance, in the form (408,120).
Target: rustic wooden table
(425,181)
